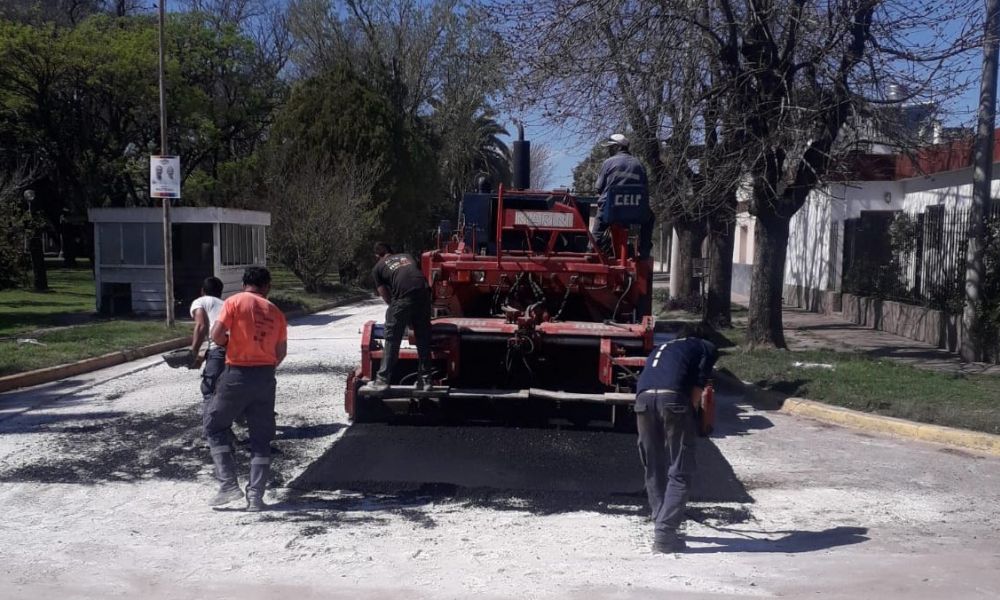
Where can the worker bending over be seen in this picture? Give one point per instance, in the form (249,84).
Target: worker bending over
(675,374)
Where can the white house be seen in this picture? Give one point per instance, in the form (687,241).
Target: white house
(937,181)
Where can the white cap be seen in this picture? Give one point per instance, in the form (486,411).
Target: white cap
(617,139)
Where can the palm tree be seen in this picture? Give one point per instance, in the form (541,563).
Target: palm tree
(470,144)
(492,156)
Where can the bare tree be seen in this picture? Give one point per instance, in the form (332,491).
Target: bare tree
(263,21)
(319,217)
(973,344)
(418,52)
(542,166)
(622,65)
(802,73)
(721,90)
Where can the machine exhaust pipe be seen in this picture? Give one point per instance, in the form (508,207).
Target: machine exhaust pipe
(522,161)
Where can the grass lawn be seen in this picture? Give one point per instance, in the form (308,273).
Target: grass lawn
(873,385)
(70,344)
(25,314)
(70,300)
(289,294)
(861,382)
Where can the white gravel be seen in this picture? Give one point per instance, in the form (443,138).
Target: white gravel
(103,483)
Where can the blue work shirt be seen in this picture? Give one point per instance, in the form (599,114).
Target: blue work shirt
(673,369)
(620,169)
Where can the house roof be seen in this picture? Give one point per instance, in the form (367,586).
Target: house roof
(183,214)
(953,155)
(949,156)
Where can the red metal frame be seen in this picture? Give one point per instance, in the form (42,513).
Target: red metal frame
(459,279)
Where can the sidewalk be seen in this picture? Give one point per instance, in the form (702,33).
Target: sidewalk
(814,331)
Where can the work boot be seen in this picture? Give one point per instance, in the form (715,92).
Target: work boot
(378,385)
(669,545)
(225,472)
(424,376)
(260,469)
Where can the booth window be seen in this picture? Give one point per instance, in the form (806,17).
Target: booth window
(242,244)
(131,244)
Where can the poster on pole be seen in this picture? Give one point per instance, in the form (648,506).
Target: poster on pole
(164,176)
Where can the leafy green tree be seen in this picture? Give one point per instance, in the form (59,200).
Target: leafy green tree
(437,63)
(338,121)
(83,102)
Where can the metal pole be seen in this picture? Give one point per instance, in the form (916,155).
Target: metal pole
(982,176)
(168,254)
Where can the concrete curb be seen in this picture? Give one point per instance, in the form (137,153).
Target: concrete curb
(39,376)
(958,438)
(48,374)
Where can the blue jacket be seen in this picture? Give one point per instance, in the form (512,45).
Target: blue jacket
(676,366)
(620,169)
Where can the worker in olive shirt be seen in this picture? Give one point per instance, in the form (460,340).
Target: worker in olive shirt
(675,373)
(255,335)
(399,281)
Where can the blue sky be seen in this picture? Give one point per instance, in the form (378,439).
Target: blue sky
(569,148)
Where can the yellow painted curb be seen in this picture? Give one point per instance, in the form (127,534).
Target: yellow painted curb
(962,438)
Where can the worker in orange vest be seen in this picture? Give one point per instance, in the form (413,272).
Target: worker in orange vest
(254,333)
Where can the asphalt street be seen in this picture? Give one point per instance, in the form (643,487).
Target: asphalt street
(104,481)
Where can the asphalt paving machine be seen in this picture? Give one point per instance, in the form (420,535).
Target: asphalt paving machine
(531,317)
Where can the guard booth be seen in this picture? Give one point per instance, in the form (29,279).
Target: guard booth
(128,254)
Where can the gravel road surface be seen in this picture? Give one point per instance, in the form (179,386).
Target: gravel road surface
(104,480)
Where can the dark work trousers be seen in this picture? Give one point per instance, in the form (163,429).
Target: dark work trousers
(215,364)
(667,435)
(413,309)
(603,238)
(247,391)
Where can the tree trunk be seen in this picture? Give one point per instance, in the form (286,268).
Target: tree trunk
(722,227)
(972,342)
(771,246)
(40,278)
(690,235)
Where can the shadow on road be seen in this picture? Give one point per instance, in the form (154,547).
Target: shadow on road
(791,542)
(541,470)
(65,423)
(56,395)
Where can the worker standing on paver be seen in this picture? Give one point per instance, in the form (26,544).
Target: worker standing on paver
(674,377)
(205,310)
(401,284)
(255,335)
(622,179)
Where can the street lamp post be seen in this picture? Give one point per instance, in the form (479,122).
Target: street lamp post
(168,256)
(29,197)
(36,251)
